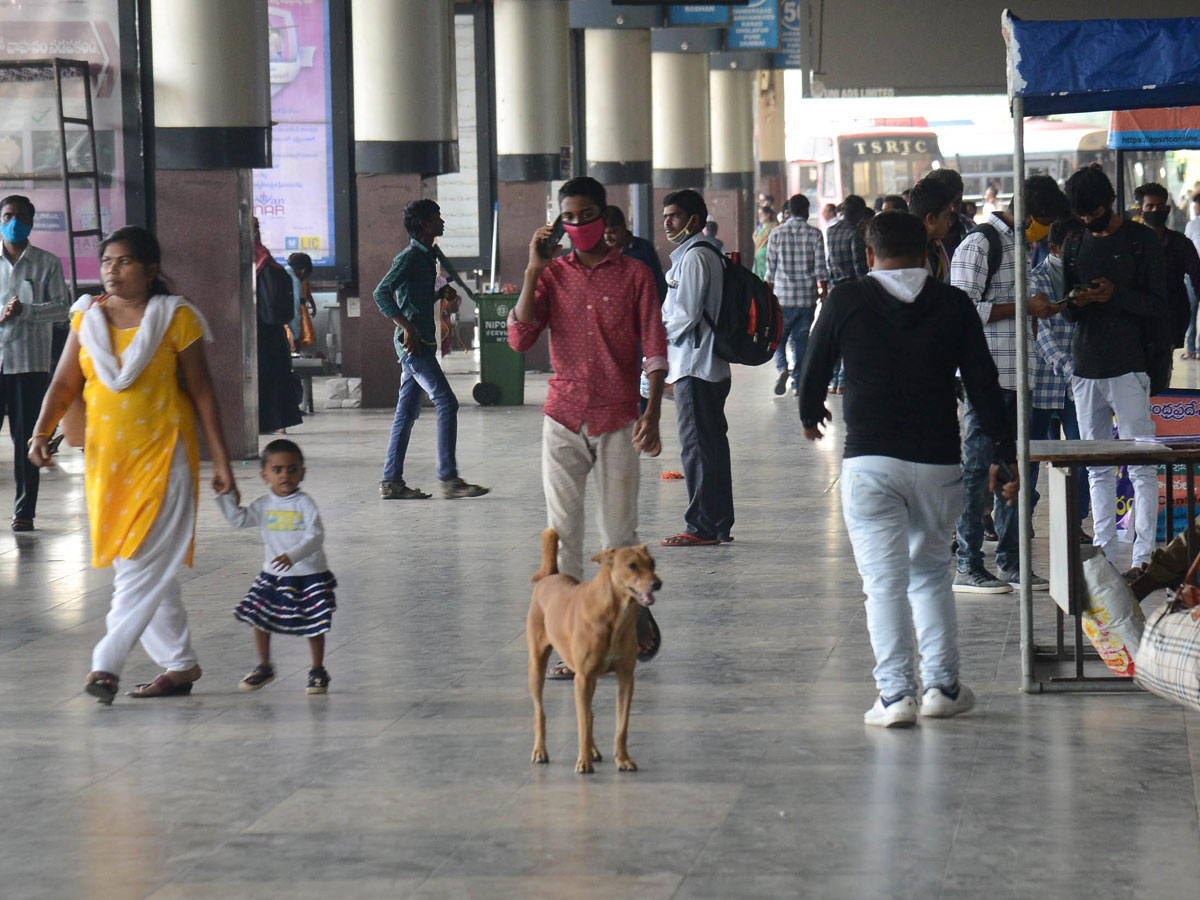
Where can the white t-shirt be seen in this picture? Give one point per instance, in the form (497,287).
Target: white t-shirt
(290,525)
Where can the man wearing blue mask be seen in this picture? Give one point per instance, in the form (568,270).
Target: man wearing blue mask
(34,297)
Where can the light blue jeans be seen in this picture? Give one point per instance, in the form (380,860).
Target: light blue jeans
(423,373)
(898,515)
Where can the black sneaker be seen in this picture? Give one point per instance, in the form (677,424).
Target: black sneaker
(318,681)
(781,383)
(456,488)
(263,674)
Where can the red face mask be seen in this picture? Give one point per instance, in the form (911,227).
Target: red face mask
(586,237)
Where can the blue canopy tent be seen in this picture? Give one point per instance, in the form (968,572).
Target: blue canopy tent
(1086,65)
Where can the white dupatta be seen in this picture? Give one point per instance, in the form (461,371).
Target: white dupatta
(118,372)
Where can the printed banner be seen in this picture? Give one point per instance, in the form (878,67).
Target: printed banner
(1175,412)
(789,55)
(698,14)
(294,200)
(29,138)
(755,26)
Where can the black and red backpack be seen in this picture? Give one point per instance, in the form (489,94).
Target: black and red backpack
(750,323)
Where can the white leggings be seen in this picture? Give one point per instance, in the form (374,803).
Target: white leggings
(147,600)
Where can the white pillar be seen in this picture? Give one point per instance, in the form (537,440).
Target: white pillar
(405,103)
(772,152)
(732,116)
(617,105)
(679,87)
(212,92)
(533,117)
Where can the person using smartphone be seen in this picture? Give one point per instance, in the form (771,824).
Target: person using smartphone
(591,424)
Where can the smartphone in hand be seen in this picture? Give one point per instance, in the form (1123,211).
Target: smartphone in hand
(1004,476)
(555,238)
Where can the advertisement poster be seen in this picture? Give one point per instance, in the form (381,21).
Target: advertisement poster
(1175,412)
(29,138)
(294,200)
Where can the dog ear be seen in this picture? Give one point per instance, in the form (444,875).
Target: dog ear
(643,549)
(604,558)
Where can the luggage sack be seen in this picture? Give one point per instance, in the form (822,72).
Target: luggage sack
(1168,661)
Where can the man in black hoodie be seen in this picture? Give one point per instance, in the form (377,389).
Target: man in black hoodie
(902,335)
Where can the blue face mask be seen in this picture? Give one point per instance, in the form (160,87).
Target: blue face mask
(15,231)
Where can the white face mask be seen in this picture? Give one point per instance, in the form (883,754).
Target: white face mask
(682,235)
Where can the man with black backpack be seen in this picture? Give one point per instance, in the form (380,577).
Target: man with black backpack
(700,377)
(984,265)
(1114,272)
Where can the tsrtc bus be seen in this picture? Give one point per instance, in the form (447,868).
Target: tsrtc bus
(884,157)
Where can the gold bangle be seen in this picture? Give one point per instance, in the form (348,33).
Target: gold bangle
(29,443)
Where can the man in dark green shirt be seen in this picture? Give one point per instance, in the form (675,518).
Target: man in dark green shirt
(406,296)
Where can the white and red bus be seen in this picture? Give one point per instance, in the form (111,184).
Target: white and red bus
(873,160)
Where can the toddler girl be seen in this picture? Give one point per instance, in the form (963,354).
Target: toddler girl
(299,599)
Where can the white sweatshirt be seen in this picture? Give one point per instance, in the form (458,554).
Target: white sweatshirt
(290,525)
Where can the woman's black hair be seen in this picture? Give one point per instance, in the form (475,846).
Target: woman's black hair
(143,246)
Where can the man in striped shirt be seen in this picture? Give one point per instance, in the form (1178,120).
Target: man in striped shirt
(795,270)
(33,296)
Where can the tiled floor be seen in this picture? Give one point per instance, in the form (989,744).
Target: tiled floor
(411,778)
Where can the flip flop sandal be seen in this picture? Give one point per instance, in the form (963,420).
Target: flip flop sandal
(103,687)
(560,672)
(402,491)
(647,628)
(162,686)
(687,539)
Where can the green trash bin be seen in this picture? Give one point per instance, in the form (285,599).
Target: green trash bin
(501,369)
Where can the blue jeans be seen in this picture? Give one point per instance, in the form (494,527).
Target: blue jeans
(797,323)
(1190,340)
(897,515)
(423,373)
(704,448)
(978,452)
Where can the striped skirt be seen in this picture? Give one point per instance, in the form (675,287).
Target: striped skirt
(302,605)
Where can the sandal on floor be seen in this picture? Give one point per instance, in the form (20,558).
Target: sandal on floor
(102,686)
(398,490)
(687,539)
(647,633)
(163,686)
(560,672)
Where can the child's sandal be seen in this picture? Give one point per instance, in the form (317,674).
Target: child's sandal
(263,674)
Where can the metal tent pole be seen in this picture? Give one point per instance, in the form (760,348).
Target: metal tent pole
(1025,501)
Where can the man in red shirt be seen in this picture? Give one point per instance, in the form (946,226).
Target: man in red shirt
(602,310)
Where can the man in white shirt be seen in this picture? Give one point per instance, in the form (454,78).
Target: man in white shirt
(33,296)
(701,378)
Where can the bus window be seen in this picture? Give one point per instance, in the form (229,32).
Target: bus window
(875,165)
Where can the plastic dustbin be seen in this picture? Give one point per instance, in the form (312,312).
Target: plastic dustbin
(501,368)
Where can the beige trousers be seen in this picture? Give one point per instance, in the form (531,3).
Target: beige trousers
(567,459)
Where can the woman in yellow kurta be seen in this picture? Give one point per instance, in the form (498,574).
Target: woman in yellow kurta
(135,354)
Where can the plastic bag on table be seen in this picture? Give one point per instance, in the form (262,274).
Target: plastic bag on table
(1113,619)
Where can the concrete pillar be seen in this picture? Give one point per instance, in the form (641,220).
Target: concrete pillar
(405,104)
(212,91)
(772,153)
(679,86)
(204,230)
(617,105)
(368,351)
(731,180)
(533,119)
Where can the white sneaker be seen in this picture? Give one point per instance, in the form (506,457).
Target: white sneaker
(898,713)
(938,703)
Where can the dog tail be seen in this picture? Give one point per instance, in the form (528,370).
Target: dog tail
(549,555)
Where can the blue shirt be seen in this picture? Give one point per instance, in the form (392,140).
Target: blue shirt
(642,250)
(694,284)
(407,290)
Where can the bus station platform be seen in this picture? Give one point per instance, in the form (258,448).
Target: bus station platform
(411,778)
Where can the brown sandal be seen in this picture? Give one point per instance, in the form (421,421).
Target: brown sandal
(102,686)
(166,686)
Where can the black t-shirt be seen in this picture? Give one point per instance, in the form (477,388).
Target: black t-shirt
(899,377)
(1111,337)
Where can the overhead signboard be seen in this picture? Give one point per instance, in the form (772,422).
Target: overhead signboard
(1177,128)
(856,48)
(699,14)
(791,51)
(754,27)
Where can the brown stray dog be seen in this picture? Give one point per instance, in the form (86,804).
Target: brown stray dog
(594,626)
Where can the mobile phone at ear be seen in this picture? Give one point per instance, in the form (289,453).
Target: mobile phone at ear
(555,238)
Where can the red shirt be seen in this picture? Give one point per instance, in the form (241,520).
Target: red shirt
(602,321)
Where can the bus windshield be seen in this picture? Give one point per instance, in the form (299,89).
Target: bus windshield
(881,164)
